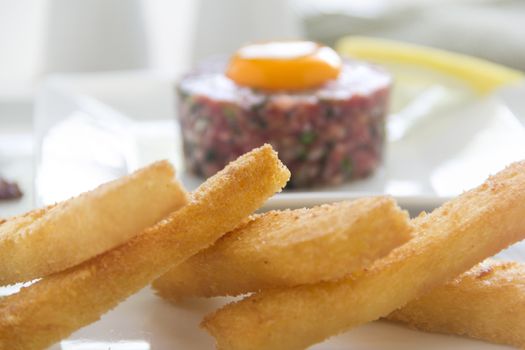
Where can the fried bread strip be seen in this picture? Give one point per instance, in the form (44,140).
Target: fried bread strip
(54,307)
(487,303)
(447,242)
(57,237)
(291,247)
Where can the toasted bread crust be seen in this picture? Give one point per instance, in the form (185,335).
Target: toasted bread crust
(54,307)
(57,237)
(291,247)
(487,303)
(447,242)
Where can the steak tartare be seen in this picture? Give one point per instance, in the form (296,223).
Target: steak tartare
(325,135)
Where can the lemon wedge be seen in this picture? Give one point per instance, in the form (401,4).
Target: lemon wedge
(481,75)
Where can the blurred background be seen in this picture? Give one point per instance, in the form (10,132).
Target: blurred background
(42,38)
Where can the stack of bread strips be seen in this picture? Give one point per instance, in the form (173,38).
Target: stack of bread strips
(313,273)
(295,311)
(61,303)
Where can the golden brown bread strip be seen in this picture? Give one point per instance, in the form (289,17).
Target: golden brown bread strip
(57,237)
(487,303)
(447,242)
(54,307)
(291,247)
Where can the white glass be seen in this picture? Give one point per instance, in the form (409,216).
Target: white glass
(80,143)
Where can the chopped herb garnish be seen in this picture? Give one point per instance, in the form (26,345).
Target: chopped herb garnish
(307,137)
(330,113)
(210,155)
(193,104)
(229,112)
(260,122)
(346,165)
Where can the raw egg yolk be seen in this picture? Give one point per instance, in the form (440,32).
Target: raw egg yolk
(287,65)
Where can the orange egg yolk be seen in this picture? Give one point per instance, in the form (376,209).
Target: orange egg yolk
(292,65)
